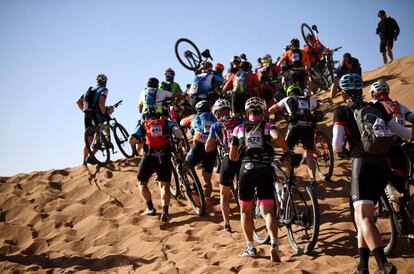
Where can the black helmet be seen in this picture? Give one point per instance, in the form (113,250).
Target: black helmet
(150,112)
(246,66)
(153,82)
(295,43)
(202,106)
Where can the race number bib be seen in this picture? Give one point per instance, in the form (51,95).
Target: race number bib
(295,56)
(207,126)
(203,138)
(381,129)
(156,131)
(254,139)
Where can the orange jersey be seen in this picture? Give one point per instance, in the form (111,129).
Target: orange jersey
(288,57)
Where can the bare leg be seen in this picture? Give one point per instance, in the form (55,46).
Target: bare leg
(144,191)
(310,162)
(364,219)
(224,203)
(390,54)
(208,188)
(165,193)
(334,88)
(246,222)
(384,57)
(268,213)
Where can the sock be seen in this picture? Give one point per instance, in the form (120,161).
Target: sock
(150,205)
(379,256)
(274,242)
(250,245)
(165,209)
(363,258)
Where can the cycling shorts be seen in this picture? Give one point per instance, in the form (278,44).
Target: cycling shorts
(238,100)
(198,154)
(386,43)
(92,119)
(258,176)
(151,163)
(228,170)
(370,175)
(303,134)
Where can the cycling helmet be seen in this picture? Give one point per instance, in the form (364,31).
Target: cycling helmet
(221,104)
(295,88)
(255,104)
(202,106)
(246,66)
(218,67)
(101,78)
(169,71)
(205,66)
(295,43)
(235,59)
(266,58)
(350,81)
(286,48)
(379,87)
(153,82)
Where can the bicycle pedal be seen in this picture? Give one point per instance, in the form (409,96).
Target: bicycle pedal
(409,236)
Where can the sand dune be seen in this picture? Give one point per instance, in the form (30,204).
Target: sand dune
(86,219)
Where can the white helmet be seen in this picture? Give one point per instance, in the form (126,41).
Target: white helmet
(255,104)
(220,104)
(379,87)
(266,58)
(101,78)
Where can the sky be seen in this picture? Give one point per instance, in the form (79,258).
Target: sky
(51,52)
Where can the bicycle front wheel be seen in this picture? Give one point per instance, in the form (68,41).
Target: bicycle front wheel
(187,54)
(302,211)
(97,145)
(195,194)
(318,78)
(121,138)
(307,32)
(324,155)
(260,234)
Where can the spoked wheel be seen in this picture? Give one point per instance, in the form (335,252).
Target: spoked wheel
(175,184)
(260,234)
(318,78)
(234,193)
(306,31)
(187,54)
(186,144)
(195,194)
(324,155)
(121,138)
(99,147)
(384,221)
(302,216)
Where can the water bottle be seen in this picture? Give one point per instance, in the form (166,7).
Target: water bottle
(284,193)
(394,196)
(105,130)
(279,187)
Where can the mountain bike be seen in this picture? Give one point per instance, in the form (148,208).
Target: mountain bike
(219,160)
(297,208)
(189,55)
(101,144)
(323,153)
(395,219)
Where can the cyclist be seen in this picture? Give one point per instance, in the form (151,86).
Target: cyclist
(301,124)
(315,52)
(240,87)
(234,67)
(157,158)
(267,74)
(153,96)
(202,84)
(169,85)
(201,123)
(298,61)
(369,171)
(220,134)
(349,64)
(92,103)
(218,73)
(388,30)
(253,139)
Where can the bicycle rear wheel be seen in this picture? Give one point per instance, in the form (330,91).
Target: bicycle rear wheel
(302,211)
(195,194)
(99,147)
(318,78)
(260,234)
(324,155)
(121,138)
(383,216)
(306,31)
(175,184)
(187,54)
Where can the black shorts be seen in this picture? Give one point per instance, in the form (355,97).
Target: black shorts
(299,77)
(92,119)
(370,175)
(198,154)
(229,169)
(238,101)
(386,43)
(150,163)
(258,176)
(304,134)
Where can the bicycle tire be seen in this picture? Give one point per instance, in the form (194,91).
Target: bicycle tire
(304,215)
(305,27)
(318,78)
(98,151)
(325,159)
(260,233)
(194,191)
(190,64)
(122,142)
(175,184)
(186,143)
(234,194)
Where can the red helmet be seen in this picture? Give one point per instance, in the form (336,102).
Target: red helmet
(206,65)
(218,67)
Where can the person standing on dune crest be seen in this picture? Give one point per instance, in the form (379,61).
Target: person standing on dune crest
(388,30)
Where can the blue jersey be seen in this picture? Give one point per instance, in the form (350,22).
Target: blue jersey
(201,124)
(201,85)
(222,130)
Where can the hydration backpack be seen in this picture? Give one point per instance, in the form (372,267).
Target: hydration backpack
(200,85)
(376,137)
(296,58)
(203,125)
(156,133)
(240,82)
(300,110)
(151,96)
(88,99)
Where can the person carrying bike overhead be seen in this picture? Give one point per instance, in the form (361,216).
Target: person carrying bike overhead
(202,83)
(201,123)
(169,85)
(153,96)
(251,145)
(218,74)
(349,64)
(240,87)
(298,61)
(315,52)
(267,74)
(155,131)
(301,124)
(220,135)
(92,103)
(369,130)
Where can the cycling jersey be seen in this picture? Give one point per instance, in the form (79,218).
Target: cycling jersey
(291,58)
(251,83)
(160,96)
(140,132)
(201,85)
(295,106)
(172,87)
(316,52)
(265,74)
(200,125)
(221,131)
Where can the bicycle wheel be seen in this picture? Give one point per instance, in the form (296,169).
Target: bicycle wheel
(121,138)
(383,216)
(260,234)
(324,155)
(187,54)
(306,31)
(318,78)
(175,184)
(234,193)
(195,194)
(302,211)
(98,149)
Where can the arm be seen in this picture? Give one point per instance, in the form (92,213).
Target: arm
(278,138)
(397,29)
(102,100)
(186,121)
(79,102)
(399,130)
(233,155)
(210,145)
(338,137)
(228,85)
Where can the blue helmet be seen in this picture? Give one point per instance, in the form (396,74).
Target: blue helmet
(350,81)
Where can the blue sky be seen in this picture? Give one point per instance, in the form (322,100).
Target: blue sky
(51,52)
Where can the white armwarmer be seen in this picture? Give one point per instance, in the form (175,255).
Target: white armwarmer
(338,138)
(399,130)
